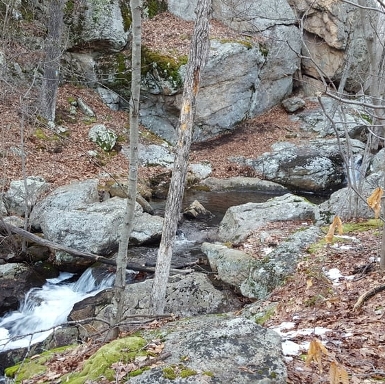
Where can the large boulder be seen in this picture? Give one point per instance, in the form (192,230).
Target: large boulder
(218,349)
(24,194)
(73,216)
(317,166)
(239,221)
(97,25)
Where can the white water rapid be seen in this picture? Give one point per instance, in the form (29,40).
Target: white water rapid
(46,307)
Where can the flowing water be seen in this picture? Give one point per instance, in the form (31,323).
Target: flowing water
(46,307)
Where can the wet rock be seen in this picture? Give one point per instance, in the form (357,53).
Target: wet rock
(196,211)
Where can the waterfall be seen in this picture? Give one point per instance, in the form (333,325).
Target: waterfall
(46,307)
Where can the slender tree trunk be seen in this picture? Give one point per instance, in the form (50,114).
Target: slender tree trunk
(121,262)
(52,49)
(197,59)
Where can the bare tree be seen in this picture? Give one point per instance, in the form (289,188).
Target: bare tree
(51,65)
(121,262)
(197,59)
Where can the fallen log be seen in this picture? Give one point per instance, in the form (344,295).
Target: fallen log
(74,252)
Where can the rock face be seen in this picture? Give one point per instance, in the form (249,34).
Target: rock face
(239,221)
(332,32)
(217,348)
(315,167)
(68,216)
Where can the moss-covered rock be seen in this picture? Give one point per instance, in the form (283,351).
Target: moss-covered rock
(99,364)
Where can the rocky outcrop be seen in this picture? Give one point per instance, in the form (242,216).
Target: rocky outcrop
(98,26)
(239,221)
(316,167)
(332,31)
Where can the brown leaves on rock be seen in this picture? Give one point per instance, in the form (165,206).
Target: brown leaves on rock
(374,201)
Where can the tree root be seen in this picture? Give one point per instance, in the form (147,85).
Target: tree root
(367,295)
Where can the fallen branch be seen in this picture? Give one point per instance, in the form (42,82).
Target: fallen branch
(74,252)
(367,295)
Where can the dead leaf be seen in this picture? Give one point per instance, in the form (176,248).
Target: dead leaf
(336,224)
(338,374)
(374,201)
(316,349)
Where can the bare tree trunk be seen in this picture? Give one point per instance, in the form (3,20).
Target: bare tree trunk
(52,49)
(198,55)
(121,262)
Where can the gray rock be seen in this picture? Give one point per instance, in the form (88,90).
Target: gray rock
(241,220)
(109,97)
(99,26)
(240,182)
(231,266)
(3,208)
(67,197)
(73,216)
(378,162)
(200,170)
(187,295)
(346,204)
(24,193)
(196,211)
(86,109)
(153,154)
(317,166)
(293,104)
(104,137)
(267,274)
(218,349)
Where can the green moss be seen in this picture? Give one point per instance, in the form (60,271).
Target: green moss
(154,7)
(99,364)
(126,15)
(366,117)
(208,373)
(169,373)
(187,372)
(173,371)
(263,49)
(167,66)
(261,318)
(247,43)
(362,226)
(32,367)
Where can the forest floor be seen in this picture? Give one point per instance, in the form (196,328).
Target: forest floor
(309,300)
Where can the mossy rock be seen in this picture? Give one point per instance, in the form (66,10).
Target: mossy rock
(32,367)
(99,364)
(154,7)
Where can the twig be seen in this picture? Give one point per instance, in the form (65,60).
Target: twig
(367,295)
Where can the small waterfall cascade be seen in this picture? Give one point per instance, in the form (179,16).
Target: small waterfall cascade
(46,307)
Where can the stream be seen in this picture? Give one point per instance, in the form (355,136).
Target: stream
(46,307)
